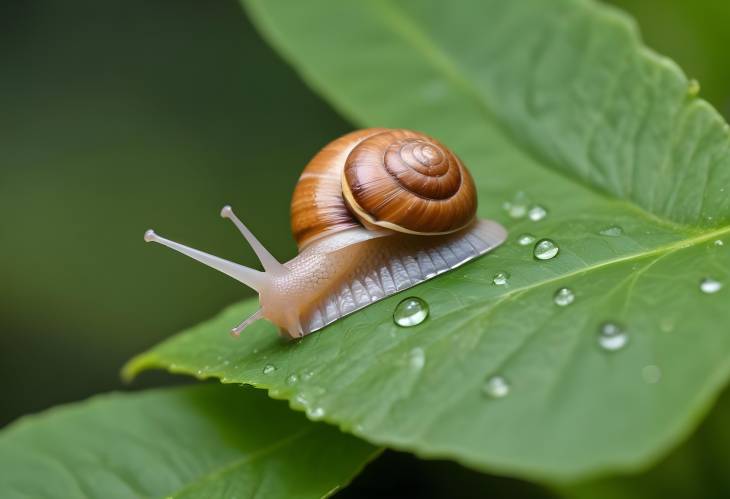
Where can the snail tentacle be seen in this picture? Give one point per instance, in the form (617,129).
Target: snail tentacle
(254,279)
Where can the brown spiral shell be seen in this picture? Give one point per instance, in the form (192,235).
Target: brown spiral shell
(393,178)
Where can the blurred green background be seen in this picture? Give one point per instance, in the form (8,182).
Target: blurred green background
(118,116)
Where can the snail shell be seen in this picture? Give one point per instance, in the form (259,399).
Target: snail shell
(375,212)
(399,180)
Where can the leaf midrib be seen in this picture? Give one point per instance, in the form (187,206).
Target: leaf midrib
(659,251)
(416,37)
(247,459)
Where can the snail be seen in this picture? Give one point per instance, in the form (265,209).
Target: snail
(374,212)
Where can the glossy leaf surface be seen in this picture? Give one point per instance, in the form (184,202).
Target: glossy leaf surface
(193,442)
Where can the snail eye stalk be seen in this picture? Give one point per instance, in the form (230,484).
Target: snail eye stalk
(236,331)
(268,261)
(252,278)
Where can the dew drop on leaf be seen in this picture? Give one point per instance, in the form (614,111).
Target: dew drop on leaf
(718,242)
(666,325)
(545,249)
(292,379)
(537,213)
(693,87)
(517,208)
(496,387)
(315,412)
(612,231)
(301,400)
(563,297)
(410,312)
(501,278)
(709,285)
(651,374)
(612,336)
(269,368)
(417,358)
(525,239)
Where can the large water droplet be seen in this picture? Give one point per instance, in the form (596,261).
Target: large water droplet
(417,358)
(410,312)
(315,412)
(525,239)
(269,368)
(718,242)
(612,336)
(545,249)
(563,297)
(501,278)
(612,231)
(651,374)
(292,379)
(496,387)
(537,213)
(709,285)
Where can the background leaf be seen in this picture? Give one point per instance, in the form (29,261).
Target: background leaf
(199,441)
(698,468)
(560,102)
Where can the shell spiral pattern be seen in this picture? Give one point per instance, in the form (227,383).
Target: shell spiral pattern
(409,182)
(392,178)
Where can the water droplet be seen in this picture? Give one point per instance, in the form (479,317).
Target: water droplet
(292,379)
(563,297)
(417,358)
(301,400)
(410,312)
(545,249)
(612,337)
(718,242)
(269,368)
(693,87)
(666,325)
(315,412)
(651,374)
(501,278)
(709,285)
(525,239)
(307,375)
(517,208)
(612,231)
(537,213)
(496,387)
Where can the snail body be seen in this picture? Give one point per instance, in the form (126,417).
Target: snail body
(374,212)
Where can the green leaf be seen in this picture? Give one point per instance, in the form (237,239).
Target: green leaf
(559,101)
(200,441)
